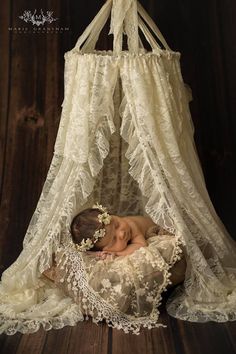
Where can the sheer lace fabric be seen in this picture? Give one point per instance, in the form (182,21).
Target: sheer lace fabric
(126,140)
(126,291)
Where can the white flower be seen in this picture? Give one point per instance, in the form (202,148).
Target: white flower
(150,299)
(84,245)
(100,207)
(106,283)
(104,218)
(117,288)
(98,234)
(140,292)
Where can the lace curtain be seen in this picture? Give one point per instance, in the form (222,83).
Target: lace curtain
(125,139)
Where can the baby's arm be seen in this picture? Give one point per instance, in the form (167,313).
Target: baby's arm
(138,242)
(129,249)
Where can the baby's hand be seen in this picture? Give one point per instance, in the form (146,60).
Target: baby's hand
(105,254)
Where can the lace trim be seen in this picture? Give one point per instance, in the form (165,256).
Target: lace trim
(15,323)
(94,305)
(139,155)
(110,54)
(185,308)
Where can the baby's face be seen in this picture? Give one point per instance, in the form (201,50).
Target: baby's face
(118,234)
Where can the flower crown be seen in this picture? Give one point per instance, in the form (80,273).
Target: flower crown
(103,218)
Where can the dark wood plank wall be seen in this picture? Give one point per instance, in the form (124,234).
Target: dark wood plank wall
(31,93)
(32,87)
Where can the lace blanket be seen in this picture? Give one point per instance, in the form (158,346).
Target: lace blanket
(124,290)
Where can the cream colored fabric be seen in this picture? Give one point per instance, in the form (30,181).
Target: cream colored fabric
(127,289)
(125,140)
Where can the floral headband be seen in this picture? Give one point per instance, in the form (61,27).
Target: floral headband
(103,218)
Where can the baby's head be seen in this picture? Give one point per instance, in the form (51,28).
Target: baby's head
(115,238)
(84,225)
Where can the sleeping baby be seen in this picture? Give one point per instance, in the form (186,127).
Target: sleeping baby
(97,232)
(119,236)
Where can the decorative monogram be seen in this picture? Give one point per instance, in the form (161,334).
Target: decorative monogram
(37,20)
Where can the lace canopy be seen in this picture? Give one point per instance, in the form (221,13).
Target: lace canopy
(125,140)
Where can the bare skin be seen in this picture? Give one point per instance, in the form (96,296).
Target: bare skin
(124,235)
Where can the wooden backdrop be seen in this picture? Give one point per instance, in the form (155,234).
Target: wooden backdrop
(31,93)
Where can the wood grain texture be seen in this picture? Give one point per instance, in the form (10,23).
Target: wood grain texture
(180,337)
(29,126)
(88,337)
(32,343)
(5,41)
(9,344)
(204,338)
(4,83)
(158,340)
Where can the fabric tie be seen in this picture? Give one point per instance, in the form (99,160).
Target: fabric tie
(124,19)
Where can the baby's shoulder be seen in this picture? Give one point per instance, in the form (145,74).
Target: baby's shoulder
(135,220)
(142,223)
(138,218)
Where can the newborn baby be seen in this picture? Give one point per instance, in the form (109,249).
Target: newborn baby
(95,231)
(122,234)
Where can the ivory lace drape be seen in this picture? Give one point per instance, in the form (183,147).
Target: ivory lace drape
(126,140)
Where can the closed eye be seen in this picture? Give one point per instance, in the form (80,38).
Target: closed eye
(112,241)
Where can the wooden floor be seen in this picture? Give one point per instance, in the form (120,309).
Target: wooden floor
(179,337)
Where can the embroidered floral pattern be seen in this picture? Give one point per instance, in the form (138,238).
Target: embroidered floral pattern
(126,291)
